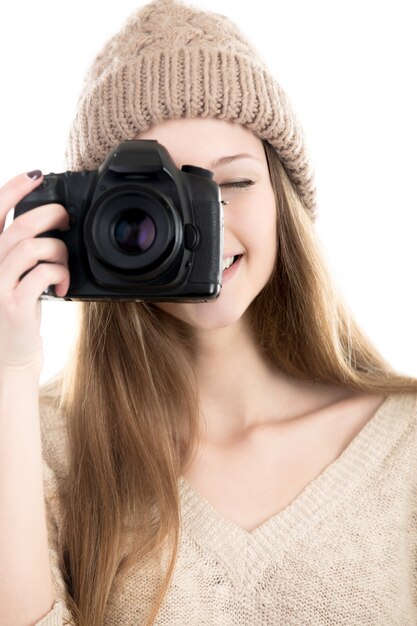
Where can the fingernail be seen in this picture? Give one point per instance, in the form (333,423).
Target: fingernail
(35,174)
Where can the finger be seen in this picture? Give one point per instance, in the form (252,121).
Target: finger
(36,282)
(33,223)
(13,191)
(25,255)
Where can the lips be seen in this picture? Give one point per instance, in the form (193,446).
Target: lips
(230,271)
(228,259)
(227,262)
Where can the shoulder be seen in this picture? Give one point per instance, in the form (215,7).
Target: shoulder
(395,432)
(403,404)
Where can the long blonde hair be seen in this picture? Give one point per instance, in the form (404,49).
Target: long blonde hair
(130,399)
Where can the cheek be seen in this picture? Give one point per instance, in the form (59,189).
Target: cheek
(261,224)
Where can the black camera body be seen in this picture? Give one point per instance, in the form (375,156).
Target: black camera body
(141,229)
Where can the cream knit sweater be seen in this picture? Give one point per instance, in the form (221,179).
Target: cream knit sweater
(344,552)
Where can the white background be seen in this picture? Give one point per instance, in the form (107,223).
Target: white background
(350,71)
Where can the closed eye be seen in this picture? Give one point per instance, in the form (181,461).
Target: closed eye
(239,183)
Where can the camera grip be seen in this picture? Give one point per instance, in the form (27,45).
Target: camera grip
(207,262)
(46,193)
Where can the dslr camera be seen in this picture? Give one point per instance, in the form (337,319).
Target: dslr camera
(140,228)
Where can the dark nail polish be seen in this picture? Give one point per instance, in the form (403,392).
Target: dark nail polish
(35,174)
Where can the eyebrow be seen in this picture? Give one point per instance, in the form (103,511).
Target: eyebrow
(234,157)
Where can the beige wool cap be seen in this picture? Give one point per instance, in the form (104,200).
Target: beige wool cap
(169,61)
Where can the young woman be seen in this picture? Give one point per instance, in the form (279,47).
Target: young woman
(248,460)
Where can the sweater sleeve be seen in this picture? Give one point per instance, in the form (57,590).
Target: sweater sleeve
(55,467)
(59,615)
(55,617)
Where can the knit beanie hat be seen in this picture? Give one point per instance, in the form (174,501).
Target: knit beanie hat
(171,61)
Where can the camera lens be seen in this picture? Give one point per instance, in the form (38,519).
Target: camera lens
(135,231)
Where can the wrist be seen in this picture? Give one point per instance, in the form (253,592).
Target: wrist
(25,377)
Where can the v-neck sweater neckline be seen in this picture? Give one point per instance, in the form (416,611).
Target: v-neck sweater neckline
(246,553)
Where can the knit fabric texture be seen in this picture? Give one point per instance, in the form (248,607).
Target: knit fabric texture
(170,61)
(343,553)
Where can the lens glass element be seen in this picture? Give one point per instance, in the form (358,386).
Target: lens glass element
(135,231)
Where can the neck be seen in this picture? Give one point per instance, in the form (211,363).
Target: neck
(238,389)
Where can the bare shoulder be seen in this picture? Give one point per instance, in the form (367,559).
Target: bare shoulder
(357,405)
(323,401)
(335,415)
(346,417)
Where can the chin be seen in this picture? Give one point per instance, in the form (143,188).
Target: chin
(205,315)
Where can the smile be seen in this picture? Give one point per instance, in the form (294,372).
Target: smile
(228,261)
(230,266)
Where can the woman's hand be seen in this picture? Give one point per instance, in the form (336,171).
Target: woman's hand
(20,250)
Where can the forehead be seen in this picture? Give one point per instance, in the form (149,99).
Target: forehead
(202,141)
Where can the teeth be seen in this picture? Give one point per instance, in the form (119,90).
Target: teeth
(227,262)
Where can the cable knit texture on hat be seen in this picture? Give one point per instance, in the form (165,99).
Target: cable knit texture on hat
(170,61)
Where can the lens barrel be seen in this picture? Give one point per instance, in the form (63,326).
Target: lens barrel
(133,228)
